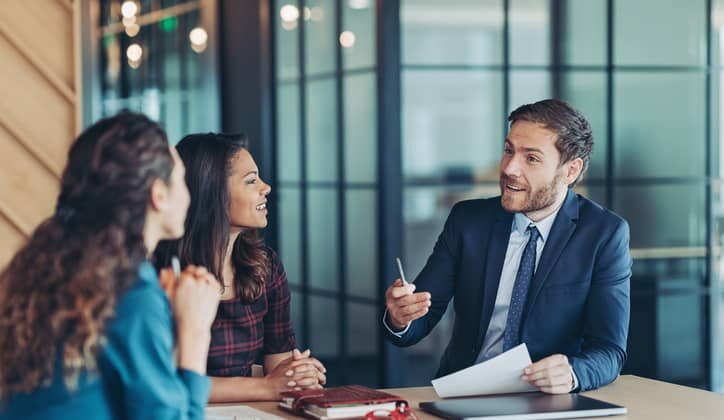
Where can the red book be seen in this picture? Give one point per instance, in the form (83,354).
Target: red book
(344,402)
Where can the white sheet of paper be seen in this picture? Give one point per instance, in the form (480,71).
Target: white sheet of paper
(238,412)
(499,375)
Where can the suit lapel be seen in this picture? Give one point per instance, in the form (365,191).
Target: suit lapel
(497,246)
(561,232)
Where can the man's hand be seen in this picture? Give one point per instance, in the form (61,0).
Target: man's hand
(552,375)
(404,306)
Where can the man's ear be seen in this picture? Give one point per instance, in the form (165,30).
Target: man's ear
(575,167)
(159,195)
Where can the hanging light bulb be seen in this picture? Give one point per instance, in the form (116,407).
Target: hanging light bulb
(289,13)
(199,39)
(134,52)
(347,39)
(132,30)
(198,36)
(129,9)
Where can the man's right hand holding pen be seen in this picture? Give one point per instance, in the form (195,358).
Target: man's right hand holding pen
(405,306)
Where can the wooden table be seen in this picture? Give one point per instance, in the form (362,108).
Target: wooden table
(645,399)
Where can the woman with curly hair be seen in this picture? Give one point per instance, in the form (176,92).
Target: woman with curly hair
(228,208)
(85,327)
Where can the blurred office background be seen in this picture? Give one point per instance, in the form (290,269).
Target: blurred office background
(371,118)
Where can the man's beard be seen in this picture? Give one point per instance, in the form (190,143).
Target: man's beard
(541,198)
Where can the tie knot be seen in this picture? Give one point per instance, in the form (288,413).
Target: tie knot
(534,234)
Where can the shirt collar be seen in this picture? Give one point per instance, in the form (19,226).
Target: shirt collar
(521,223)
(147,272)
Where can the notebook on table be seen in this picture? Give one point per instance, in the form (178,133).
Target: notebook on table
(344,402)
(522,407)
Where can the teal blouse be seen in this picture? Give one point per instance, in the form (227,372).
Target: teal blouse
(137,377)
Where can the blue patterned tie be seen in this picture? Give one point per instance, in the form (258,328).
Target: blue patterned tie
(511,338)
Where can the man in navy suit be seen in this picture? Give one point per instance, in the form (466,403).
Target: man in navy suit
(539,265)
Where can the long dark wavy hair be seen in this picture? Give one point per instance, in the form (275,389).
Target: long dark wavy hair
(208,159)
(61,287)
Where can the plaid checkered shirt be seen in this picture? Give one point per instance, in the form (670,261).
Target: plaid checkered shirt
(243,333)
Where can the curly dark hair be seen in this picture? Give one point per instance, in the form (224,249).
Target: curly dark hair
(208,158)
(61,287)
(575,137)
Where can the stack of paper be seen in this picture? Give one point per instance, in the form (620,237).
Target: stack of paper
(238,412)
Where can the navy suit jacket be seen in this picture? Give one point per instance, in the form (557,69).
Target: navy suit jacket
(578,302)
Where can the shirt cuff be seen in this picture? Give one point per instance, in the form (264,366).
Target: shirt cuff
(198,385)
(575,380)
(397,334)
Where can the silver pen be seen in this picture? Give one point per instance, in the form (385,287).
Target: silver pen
(176,267)
(402,272)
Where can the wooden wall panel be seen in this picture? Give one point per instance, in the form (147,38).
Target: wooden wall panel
(39,110)
(32,187)
(44,26)
(12,240)
(31,105)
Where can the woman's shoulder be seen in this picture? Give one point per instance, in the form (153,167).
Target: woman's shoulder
(276,268)
(144,298)
(142,322)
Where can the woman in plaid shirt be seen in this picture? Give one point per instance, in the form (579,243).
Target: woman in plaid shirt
(228,208)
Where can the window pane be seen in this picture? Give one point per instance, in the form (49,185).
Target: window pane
(360,128)
(528,86)
(667,329)
(666,338)
(584,36)
(668,275)
(595,193)
(321,130)
(171,83)
(586,91)
(359,19)
(674,35)
(655,135)
(323,228)
(663,215)
(717,32)
(362,342)
(287,38)
(362,329)
(452,124)
(717,118)
(530,32)
(717,226)
(324,328)
(290,239)
(320,38)
(361,233)
(289,149)
(451,31)
(297,309)
(717,368)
